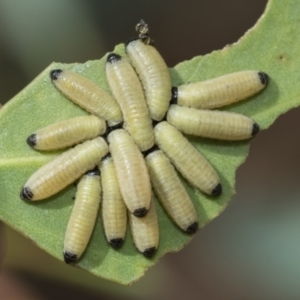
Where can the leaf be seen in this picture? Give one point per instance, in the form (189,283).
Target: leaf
(271,46)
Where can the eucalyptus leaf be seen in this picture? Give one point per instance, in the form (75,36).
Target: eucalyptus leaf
(272,46)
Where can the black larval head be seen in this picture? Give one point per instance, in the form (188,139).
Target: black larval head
(255,129)
(69,257)
(113,57)
(140,212)
(217,191)
(26,193)
(192,228)
(54,74)
(116,243)
(149,252)
(31,140)
(263,77)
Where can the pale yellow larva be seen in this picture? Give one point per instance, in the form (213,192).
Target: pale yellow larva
(64,169)
(127,89)
(88,95)
(83,216)
(171,192)
(114,211)
(67,133)
(187,159)
(154,75)
(221,125)
(220,91)
(145,232)
(132,172)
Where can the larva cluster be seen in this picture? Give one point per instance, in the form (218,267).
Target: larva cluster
(142,125)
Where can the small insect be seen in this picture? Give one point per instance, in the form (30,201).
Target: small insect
(142,29)
(88,95)
(171,192)
(64,169)
(127,89)
(131,171)
(83,216)
(145,232)
(214,124)
(187,159)
(114,211)
(220,91)
(154,75)
(67,133)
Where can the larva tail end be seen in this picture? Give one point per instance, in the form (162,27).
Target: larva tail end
(154,123)
(255,129)
(263,77)
(149,252)
(109,129)
(217,191)
(113,57)
(192,228)
(116,243)
(140,212)
(55,74)
(69,257)
(26,194)
(174,95)
(152,149)
(31,140)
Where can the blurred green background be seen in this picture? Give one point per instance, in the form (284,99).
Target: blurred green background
(252,250)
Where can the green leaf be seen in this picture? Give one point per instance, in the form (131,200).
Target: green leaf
(271,46)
